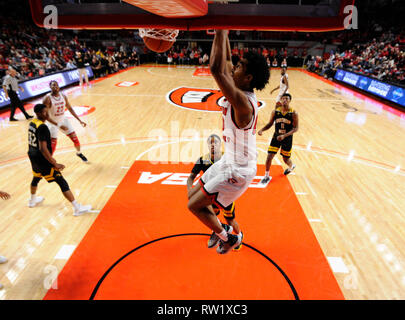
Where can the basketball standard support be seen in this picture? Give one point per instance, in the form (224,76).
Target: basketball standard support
(173,8)
(233,16)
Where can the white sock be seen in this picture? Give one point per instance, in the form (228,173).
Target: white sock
(223,235)
(33,196)
(75,204)
(267,173)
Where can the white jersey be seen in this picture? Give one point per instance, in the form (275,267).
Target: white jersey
(283,86)
(240,143)
(58,106)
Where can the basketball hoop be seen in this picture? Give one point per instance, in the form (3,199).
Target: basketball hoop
(160,34)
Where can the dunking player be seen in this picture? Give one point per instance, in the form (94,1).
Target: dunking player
(42,162)
(227,179)
(286,120)
(284,86)
(57,103)
(203,164)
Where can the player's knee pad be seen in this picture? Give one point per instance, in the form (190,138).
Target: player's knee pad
(35,181)
(62,183)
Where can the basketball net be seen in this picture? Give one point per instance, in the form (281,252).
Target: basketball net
(159,34)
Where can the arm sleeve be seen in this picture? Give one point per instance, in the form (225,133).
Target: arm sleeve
(197,166)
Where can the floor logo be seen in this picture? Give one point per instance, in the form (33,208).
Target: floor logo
(127,84)
(199,99)
(80,111)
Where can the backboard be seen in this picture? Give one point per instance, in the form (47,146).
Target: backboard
(270,15)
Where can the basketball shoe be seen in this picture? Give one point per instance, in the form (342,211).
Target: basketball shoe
(239,246)
(36,200)
(289,170)
(266,180)
(81,156)
(81,209)
(225,246)
(214,239)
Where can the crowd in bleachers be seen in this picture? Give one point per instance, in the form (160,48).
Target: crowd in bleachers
(382,58)
(34,52)
(199,55)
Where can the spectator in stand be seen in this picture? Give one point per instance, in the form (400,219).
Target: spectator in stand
(70,65)
(275,63)
(181,57)
(284,63)
(96,67)
(175,57)
(169,58)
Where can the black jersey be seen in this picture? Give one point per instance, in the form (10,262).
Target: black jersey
(203,164)
(38,131)
(283,121)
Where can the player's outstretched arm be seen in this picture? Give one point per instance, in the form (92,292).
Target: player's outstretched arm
(274,89)
(69,107)
(219,66)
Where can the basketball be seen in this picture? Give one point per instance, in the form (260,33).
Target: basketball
(157,45)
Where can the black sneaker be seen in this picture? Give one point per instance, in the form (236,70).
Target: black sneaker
(13,119)
(266,180)
(214,239)
(81,156)
(239,246)
(288,170)
(29,117)
(226,246)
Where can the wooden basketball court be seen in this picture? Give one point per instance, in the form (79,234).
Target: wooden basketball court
(331,230)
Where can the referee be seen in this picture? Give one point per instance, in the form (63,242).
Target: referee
(10,87)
